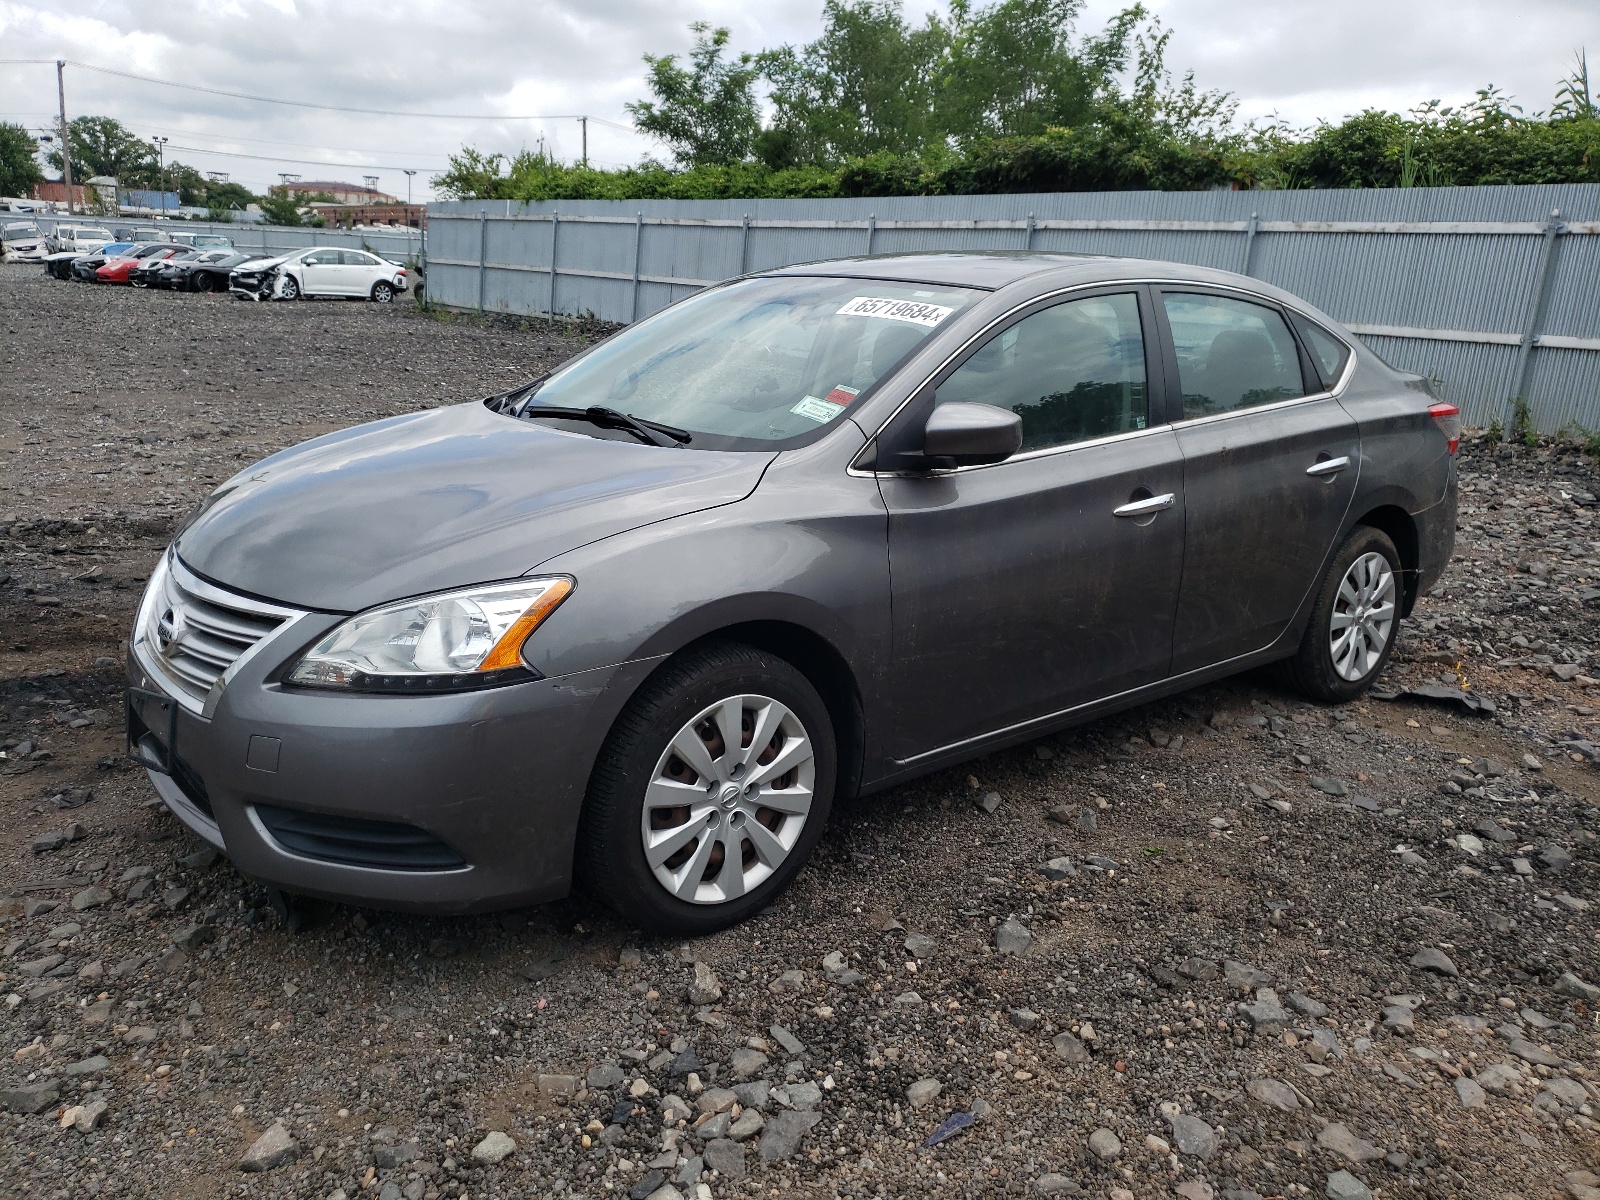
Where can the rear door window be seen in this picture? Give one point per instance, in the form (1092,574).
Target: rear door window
(1072,372)
(1232,354)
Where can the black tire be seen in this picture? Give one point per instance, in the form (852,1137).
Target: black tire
(291,288)
(610,853)
(203,282)
(1312,671)
(382,293)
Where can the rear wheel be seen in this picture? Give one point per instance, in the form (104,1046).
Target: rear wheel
(1354,621)
(710,793)
(383,292)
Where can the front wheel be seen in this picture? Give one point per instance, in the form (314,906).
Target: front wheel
(710,792)
(382,293)
(203,282)
(288,289)
(1354,622)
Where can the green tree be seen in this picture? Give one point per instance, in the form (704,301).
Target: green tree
(864,87)
(19,169)
(281,210)
(1012,69)
(707,112)
(105,146)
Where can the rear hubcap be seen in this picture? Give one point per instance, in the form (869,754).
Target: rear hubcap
(1363,617)
(728,799)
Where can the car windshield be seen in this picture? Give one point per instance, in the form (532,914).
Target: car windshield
(767,361)
(112,249)
(13,230)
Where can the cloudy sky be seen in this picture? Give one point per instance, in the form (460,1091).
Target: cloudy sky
(516,71)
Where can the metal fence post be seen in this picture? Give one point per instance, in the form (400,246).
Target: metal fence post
(638,241)
(872,229)
(744,245)
(1027,238)
(1250,231)
(483,254)
(555,230)
(1536,304)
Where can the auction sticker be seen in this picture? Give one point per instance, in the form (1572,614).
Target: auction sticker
(817,409)
(913,311)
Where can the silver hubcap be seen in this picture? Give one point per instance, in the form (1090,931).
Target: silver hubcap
(728,799)
(1363,617)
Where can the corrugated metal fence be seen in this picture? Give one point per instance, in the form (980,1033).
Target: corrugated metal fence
(1494,292)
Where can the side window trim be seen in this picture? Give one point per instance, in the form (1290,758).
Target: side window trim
(896,432)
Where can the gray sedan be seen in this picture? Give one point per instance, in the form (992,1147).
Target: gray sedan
(643,621)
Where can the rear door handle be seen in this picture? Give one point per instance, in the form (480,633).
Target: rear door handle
(1328,466)
(1146,507)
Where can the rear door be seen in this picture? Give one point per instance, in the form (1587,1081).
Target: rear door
(1050,579)
(1270,465)
(360,271)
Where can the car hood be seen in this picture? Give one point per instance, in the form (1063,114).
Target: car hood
(440,499)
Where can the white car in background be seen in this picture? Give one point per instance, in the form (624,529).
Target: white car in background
(22,241)
(79,239)
(319,271)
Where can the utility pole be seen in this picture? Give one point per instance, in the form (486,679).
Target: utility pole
(584,121)
(409,174)
(66,142)
(161,168)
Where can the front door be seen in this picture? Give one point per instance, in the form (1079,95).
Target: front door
(1270,466)
(1050,579)
(320,271)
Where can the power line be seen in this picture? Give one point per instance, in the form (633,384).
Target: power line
(374,112)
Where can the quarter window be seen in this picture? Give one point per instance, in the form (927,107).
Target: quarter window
(1231,354)
(1328,353)
(1072,372)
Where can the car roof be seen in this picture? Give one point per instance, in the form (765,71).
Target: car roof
(995,269)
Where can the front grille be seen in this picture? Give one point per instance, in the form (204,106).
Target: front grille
(195,631)
(351,841)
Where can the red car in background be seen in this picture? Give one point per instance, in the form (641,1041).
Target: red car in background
(117,270)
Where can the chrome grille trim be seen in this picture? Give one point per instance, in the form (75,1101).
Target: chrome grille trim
(193,634)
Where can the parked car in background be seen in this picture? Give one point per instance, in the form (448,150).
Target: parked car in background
(148,271)
(141,233)
(203,241)
(121,268)
(79,239)
(81,267)
(320,271)
(22,241)
(797,538)
(206,273)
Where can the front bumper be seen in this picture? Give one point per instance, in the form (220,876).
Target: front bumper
(481,791)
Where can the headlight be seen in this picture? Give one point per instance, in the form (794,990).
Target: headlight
(455,640)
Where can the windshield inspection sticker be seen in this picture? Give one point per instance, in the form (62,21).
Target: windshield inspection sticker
(818,410)
(913,311)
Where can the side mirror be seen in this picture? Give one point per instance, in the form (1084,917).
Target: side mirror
(966,435)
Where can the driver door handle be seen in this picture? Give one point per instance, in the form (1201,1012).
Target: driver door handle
(1146,507)
(1328,466)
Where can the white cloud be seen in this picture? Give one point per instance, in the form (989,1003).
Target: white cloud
(1302,59)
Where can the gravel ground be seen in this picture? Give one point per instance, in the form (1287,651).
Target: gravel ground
(1228,945)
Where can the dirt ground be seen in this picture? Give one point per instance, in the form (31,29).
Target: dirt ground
(1221,900)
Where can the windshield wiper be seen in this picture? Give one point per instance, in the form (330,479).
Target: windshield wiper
(653,432)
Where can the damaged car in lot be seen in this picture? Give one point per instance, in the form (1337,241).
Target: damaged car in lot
(320,271)
(643,621)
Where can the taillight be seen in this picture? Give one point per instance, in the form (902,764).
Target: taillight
(1448,418)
